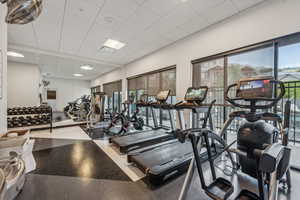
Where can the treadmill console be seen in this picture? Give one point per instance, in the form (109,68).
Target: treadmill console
(252,88)
(196,94)
(162,96)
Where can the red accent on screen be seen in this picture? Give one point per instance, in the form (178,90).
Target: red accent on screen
(266,81)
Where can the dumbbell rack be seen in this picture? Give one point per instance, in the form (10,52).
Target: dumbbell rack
(37,113)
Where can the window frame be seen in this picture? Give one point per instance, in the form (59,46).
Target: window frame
(276,43)
(159,71)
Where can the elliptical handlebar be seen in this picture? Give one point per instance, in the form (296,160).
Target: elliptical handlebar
(273,101)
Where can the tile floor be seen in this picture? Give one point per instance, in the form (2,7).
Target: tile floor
(72,166)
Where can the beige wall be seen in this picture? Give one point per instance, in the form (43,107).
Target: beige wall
(3,73)
(22,84)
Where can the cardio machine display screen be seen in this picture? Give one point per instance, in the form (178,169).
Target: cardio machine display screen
(163,95)
(194,94)
(252,89)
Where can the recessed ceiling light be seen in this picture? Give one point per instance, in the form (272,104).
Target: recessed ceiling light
(46,74)
(114,44)
(86,67)
(15,54)
(77,75)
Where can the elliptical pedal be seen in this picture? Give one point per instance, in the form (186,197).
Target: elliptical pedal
(220,189)
(247,195)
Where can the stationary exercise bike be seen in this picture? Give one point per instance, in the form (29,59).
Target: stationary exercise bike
(136,121)
(259,153)
(123,121)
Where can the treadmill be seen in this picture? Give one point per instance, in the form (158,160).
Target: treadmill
(171,158)
(142,139)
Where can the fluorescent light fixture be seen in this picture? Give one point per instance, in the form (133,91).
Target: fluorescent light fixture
(114,44)
(46,74)
(78,75)
(15,54)
(86,67)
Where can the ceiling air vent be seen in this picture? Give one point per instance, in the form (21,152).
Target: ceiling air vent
(106,49)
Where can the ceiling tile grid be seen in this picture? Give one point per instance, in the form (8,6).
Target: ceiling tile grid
(79,17)
(22,35)
(48,25)
(79,28)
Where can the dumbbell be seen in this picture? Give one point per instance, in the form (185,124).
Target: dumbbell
(31,111)
(21,118)
(9,111)
(28,118)
(12,112)
(34,110)
(29,123)
(24,122)
(38,110)
(19,123)
(10,125)
(27,111)
(38,122)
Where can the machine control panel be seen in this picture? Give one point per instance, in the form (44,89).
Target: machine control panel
(255,88)
(196,94)
(162,96)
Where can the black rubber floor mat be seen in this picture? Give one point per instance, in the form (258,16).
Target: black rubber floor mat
(81,159)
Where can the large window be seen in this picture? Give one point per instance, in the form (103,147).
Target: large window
(289,72)
(149,85)
(219,72)
(113,92)
(253,63)
(279,58)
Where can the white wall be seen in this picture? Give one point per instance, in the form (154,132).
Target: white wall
(269,20)
(3,73)
(22,84)
(118,74)
(68,90)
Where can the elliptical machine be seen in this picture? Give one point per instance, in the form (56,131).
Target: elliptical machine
(123,122)
(95,118)
(255,90)
(136,121)
(259,154)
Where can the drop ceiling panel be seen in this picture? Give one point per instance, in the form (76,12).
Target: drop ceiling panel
(119,9)
(79,17)
(22,35)
(241,5)
(48,25)
(179,15)
(161,7)
(132,27)
(95,39)
(220,12)
(140,2)
(189,27)
(202,5)
(83,27)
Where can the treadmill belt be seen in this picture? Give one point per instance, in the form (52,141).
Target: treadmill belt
(138,138)
(160,159)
